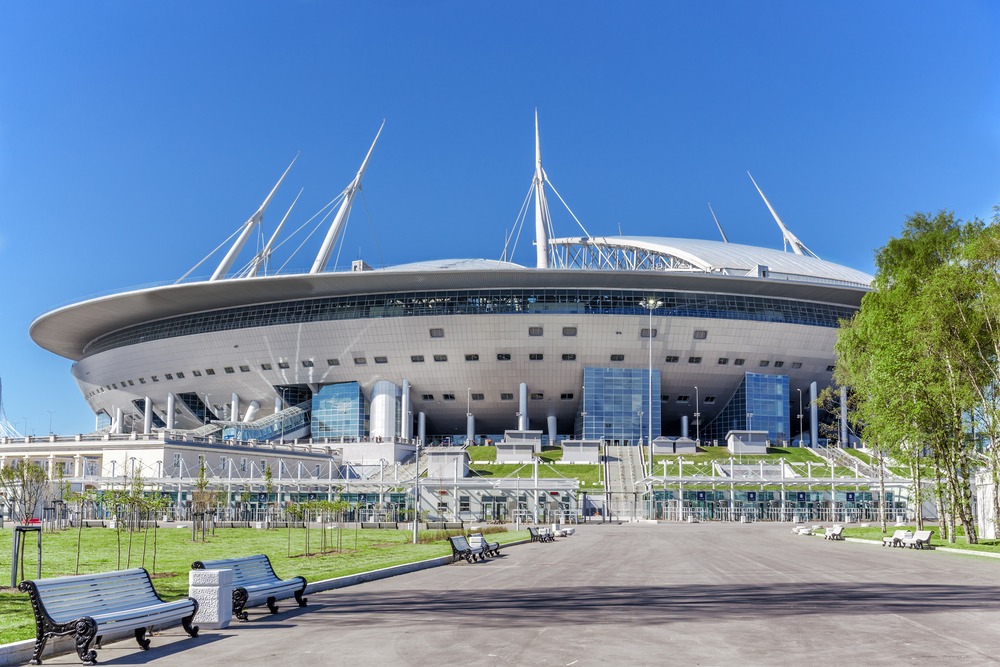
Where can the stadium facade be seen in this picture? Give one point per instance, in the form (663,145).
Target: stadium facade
(615,338)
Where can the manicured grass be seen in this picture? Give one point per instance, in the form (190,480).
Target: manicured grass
(350,551)
(482,453)
(874,532)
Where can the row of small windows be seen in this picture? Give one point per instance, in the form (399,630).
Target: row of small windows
(505,396)
(685,398)
(485,302)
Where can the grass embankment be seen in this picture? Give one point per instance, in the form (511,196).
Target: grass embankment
(349,551)
(588,475)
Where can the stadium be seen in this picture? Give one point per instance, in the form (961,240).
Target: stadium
(620,339)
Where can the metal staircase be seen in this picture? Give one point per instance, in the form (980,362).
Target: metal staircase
(623,466)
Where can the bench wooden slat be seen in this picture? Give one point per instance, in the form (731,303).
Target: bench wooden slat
(255,582)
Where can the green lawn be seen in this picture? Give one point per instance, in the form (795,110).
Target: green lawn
(359,551)
(874,532)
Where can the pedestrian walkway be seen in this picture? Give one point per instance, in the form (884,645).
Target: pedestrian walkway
(633,594)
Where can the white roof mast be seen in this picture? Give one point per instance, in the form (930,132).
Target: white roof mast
(798,247)
(542,218)
(248,227)
(332,234)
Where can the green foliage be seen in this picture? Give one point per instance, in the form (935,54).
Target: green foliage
(24,483)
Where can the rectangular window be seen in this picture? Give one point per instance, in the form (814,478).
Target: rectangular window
(723,361)
(265,367)
(472,357)
(617,357)
(244,369)
(503,356)
(177,459)
(569,331)
(463,504)
(683,398)
(197,374)
(506,397)
(779,364)
(437,333)
(565,397)
(569,357)
(709,400)
(360,361)
(536,356)
(671,359)
(738,362)
(180,375)
(243,464)
(764,363)
(664,398)
(796,364)
(417,358)
(282,364)
(535,331)
(154,378)
(169,376)
(222,464)
(427,397)
(229,370)
(131,384)
(142,380)
(537,396)
(478,397)
(700,334)
(644,333)
(307,363)
(333,362)
(440,357)
(448,397)
(443,506)
(209,371)
(381,360)
(694,360)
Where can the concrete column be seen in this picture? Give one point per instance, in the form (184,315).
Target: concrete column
(470,429)
(119,421)
(421,427)
(147,416)
(171,403)
(407,420)
(382,422)
(843,417)
(522,421)
(278,405)
(213,589)
(551,423)
(813,415)
(252,410)
(234,407)
(684,426)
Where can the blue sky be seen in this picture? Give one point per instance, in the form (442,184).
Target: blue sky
(135,137)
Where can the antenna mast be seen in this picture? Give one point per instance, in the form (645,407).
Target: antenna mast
(714,217)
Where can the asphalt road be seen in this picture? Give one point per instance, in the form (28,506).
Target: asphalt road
(641,594)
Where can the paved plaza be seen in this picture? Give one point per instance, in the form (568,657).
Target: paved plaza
(641,594)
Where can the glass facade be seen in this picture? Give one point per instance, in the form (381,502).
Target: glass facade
(615,405)
(760,404)
(480,302)
(340,410)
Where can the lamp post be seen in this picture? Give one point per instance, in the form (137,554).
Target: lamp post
(800,417)
(650,304)
(416,493)
(697,417)
(51,412)
(749,421)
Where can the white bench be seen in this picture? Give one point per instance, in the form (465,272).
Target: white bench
(896,540)
(89,606)
(920,539)
(254,582)
(835,532)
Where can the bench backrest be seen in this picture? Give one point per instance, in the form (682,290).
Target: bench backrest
(247,571)
(900,534)
(67,598)
(922,535)
(459,543)
(836,530)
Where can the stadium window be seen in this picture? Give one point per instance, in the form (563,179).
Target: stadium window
(535,331)
(265,367)
(209,371)
(437,333)
(196,373)
(307,363)
(617,357)
(694,360)
(142,380)
(739,362)
(168,376)
(644,333)
(180,375)
(417,358)
(664,398)
(381,360)
(723,361)
(536,356)
(764,363)
(506,397)
(131,384)
(569,357)
(333,362)
(566,397)
(360,361)
(796,364)
(472,357)
(448,397)
(779,364)
(569,331)
(427,397)
(154,378)
(710,399)
(229,370)
(282,364)
(503,356)
(672,359)
(700,334)
(683,398)
(478,397)
(440,357)
(244,369)
(537,396)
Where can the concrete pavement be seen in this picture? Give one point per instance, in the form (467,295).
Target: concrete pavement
(640,594)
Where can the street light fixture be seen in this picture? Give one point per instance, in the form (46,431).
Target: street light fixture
(697,417)
(650,304)
(800,417)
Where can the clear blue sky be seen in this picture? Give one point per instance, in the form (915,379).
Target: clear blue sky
(135,137)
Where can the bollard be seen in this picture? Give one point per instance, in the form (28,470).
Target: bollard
(213,589)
